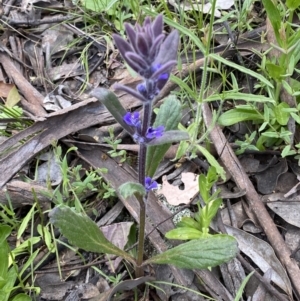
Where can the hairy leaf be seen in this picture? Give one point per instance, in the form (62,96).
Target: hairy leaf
(130,188)
(113,105)
(199,253)
(239,96)
(237,115)
(184,233)
(83,232)
(170,137)
(169,116)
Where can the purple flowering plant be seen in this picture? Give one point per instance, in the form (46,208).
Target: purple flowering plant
(152,55)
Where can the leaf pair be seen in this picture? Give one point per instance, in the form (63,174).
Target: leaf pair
(199,253)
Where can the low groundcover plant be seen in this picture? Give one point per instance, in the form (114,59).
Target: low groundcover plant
(152,55)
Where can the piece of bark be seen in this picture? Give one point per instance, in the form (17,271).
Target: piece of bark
(233,165)
(82,115)
(34,97)
(21,193)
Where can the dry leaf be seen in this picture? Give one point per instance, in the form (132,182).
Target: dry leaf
(176,196)
(5,88)
(13,97)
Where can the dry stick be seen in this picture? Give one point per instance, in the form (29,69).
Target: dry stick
(33,97)
(233,165)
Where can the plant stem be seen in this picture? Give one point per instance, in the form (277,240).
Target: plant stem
(140,254)
(142,176)
(204,72)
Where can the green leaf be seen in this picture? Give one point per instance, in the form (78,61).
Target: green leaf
(184,86)
(287,151)
(170,137)
(130,188)
(82,232)
(238,115)
(209,212)
(169,116)
(233,95)
(241,288)
(184,233)
(4,233)
(9,284)
(274,17)
(212,161)
(113,105)
(4,252)
(275,71)
(182,148)
(28,262)
(189,222)
(199,253)
(99,6)
(282,116)
(296,117)
(22,297)
(293,4)
(204,192)
(242,69)
(25,221)
(271,134)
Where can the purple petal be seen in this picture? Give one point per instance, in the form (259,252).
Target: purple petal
(150,184)
(122,45)
(155,133)
(128,90)
(136,59)
(132,119)
(135,63)
(155,46)
(161,81)
(149,91)
(159,70)
(142,45)
(157,26)
(147,21)
(131,35)
(168,49)
(141,88)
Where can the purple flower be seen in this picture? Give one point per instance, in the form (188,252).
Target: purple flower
(150,54)
(132,119)
(155,133)
(150,184)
